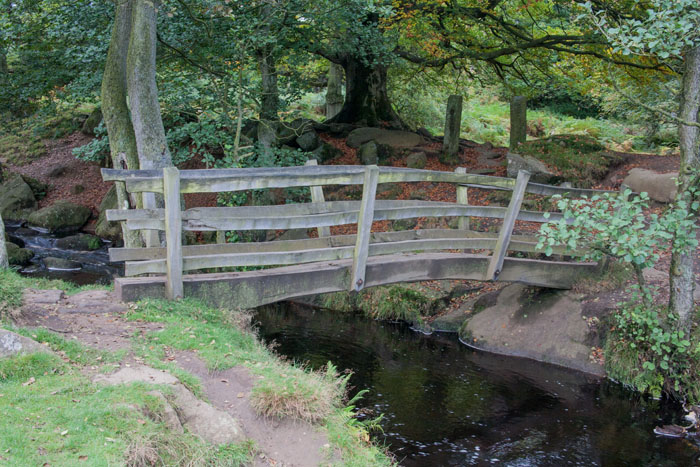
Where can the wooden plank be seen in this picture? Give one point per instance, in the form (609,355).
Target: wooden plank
(173,233)
(462,198)
(254,288)
(499,253)
(364,228)
(402,174)
(317,197)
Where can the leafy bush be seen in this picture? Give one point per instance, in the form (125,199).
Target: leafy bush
(97,149)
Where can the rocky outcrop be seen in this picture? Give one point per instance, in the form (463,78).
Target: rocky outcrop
(392,138)
(540,324)
(63,216)
(12,344)
(660,187)
(17,200)
(538,170)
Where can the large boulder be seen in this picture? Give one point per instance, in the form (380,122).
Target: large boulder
(92,122)
(660,187)
(12,344)
(63,216)
(539,172)
(103,227)
(288,132)
(17,200)
(417,160)
(308,141)
(17,255)
(325,152)
(61,264)
(80,242)
(393,138)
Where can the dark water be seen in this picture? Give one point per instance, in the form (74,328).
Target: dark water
(95,267)
(446,404)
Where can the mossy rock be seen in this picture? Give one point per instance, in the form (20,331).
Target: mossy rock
(576,158)
(38,188)
(80,242)
(103,227)
(17,200)
(18,256)
(63,216)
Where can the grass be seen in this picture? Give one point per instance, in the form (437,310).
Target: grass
(281,389)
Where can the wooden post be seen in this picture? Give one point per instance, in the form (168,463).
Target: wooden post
(518,121)
(317,197)
(173,232)
(453,125)
(364,228)
(462,198)
(501,248)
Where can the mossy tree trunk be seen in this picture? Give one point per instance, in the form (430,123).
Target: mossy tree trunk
(366,96)
(3,61)
(122,142)
(334,92)
(4,261)
(269,100)
(147,122)
(682,261)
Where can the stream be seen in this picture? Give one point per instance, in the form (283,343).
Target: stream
(447,404)
(443,403)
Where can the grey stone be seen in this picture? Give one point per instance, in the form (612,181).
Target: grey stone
(308,141)
(538,170)
(92,122)
(62,216)
(42,297)
(368,153)
(17,200)
(12,344)
(660,187)
(169,415)
(453,123)
(417,160)
(80,242)
(340,129)
(18,256)
(394,138)
(325,152)
(61,264)
(518,121)
(103,227)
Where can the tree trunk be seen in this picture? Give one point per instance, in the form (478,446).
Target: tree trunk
(4,261)
(334,93)
(366,97)
(3,61)
(681,278)
(122,143)
(151,144)
(149,132)
(269,102)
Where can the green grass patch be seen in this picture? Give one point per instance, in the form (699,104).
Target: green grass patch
(578,159)
(221,339)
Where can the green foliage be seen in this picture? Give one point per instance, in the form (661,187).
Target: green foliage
(97,150)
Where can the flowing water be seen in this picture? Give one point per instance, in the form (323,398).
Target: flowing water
(93,266)
(447,404)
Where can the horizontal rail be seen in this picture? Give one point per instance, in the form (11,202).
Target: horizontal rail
(285,258)
(137,254)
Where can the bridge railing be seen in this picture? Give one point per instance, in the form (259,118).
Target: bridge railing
(173,259)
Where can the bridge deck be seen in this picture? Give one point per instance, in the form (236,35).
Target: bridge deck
(254,288)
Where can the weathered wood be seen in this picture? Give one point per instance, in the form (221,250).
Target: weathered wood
(499,252)
(462,198)
(364,228)
(254,288)
(136,254)
(317,197)
(173,233)
(548,190)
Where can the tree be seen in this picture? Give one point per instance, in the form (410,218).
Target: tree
(668,31)
(4,261)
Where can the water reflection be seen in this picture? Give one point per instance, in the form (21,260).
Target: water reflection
(446,404)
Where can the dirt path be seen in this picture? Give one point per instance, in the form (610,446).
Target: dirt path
(96,319)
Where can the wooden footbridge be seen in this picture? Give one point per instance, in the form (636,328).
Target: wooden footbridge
(294,268)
